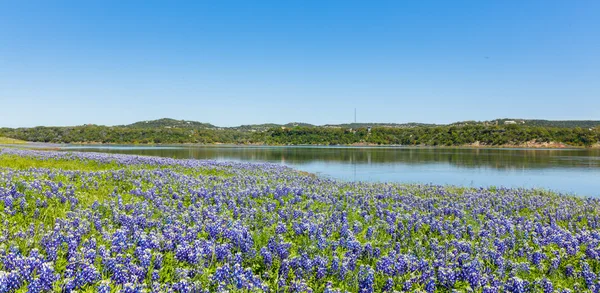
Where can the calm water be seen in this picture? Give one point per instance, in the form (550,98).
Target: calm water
(570,171)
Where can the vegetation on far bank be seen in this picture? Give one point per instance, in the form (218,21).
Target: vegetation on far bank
(453,135)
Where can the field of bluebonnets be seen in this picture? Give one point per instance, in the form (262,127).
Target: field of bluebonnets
(91,222)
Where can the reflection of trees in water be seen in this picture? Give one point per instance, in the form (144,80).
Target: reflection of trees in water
(470,158)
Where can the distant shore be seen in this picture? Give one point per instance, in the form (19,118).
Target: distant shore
(467,135)
(529,145)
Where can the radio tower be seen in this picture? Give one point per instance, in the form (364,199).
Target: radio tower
(354,115)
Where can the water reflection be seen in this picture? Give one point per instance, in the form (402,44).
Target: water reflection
(459,157)
(565,170)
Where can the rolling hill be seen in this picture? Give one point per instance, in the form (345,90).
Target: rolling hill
(170,123)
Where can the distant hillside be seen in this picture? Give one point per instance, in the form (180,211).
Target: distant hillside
(299,124)
(536,122)
(173,123)
(170,123)
(501,132)
(188,124)
(257,127)
(391,125)
(267,126)
(555,123)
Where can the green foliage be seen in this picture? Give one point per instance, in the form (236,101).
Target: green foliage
(435,136)
(452,135)
(105,134)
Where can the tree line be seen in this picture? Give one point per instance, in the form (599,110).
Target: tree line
(302,135)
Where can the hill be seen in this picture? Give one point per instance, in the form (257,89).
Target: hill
(174,123)
(390,125)
(266,126)
(536,123)
(555,123)
(170,123)
(188,124)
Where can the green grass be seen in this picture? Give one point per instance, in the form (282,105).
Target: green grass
(24,163)
(7,140)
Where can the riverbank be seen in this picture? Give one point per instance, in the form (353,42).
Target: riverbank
(530,145)
(534,145)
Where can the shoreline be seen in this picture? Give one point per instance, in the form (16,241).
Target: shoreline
(356,145)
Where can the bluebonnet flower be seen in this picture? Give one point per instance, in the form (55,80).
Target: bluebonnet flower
(183,286)
(155,275)
(281,229)
(369,233)
(490,289)
(343,270)
(104,287)
(430,286)
(158,260)
(120,274)
(447,277)
(283,250)
(569,270)
(547,286)
(366,280)
(320,264)
(408,284)
(517,285)
(88,275)
(537,257)
(388,286)
(130,288)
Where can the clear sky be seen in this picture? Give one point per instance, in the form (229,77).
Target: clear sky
(244,62)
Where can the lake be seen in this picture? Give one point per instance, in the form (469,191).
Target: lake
(564,170)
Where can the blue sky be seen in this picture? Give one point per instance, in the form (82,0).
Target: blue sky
(243,62)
